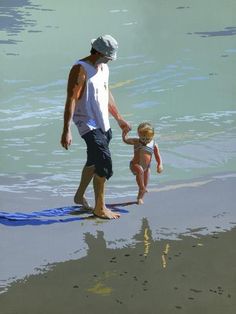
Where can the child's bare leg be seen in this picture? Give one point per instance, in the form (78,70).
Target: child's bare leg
(138,170)
(146,178)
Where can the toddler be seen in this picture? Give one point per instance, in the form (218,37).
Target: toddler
(144,147)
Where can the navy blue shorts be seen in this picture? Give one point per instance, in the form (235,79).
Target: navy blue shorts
(98,153)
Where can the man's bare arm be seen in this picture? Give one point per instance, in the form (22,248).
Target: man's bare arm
(75,88)
(115,113)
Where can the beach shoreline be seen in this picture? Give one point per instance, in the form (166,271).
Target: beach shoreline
(174,253)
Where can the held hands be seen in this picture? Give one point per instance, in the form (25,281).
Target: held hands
(125,131)
(124,125)
(160,168)
(66,139)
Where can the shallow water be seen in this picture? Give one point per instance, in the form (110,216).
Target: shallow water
(175,69)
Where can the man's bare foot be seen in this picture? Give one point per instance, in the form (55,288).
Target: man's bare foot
(82,201)
(106,214)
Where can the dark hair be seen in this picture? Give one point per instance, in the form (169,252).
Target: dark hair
(93,51)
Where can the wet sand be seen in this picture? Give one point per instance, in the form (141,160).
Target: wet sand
(155,272)
(187,276)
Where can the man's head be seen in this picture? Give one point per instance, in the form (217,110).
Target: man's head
(106,45)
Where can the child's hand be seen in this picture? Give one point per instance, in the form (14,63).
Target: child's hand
(125,130)
(159,168)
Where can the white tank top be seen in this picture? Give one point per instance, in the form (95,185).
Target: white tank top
(91,110)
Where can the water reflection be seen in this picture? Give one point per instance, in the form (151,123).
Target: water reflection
(182,7)
(227,31)
(16,17)
(127,280)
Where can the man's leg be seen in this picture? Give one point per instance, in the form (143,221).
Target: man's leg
(86,177)
(100,209)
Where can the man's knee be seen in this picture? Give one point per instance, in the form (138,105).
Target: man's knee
(104,172)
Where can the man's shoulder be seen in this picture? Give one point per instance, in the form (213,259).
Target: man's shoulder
(77,66)
(78,69)
(76,76)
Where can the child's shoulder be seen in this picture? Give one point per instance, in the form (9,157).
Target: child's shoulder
(152,143)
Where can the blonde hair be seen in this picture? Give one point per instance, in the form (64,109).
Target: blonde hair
(146,129)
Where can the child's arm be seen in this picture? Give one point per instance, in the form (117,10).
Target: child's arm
(127,140)
(158,159)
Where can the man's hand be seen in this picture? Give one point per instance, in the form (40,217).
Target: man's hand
(124,125)
(66,139)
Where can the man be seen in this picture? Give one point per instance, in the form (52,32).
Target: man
(89,103)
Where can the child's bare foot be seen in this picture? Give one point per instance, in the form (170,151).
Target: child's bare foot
(105,213)
(82,201)
(140,201)
(140,196)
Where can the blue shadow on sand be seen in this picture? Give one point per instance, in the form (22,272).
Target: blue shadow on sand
(41,217)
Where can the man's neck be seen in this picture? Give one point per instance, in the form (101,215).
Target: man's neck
(91,60)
